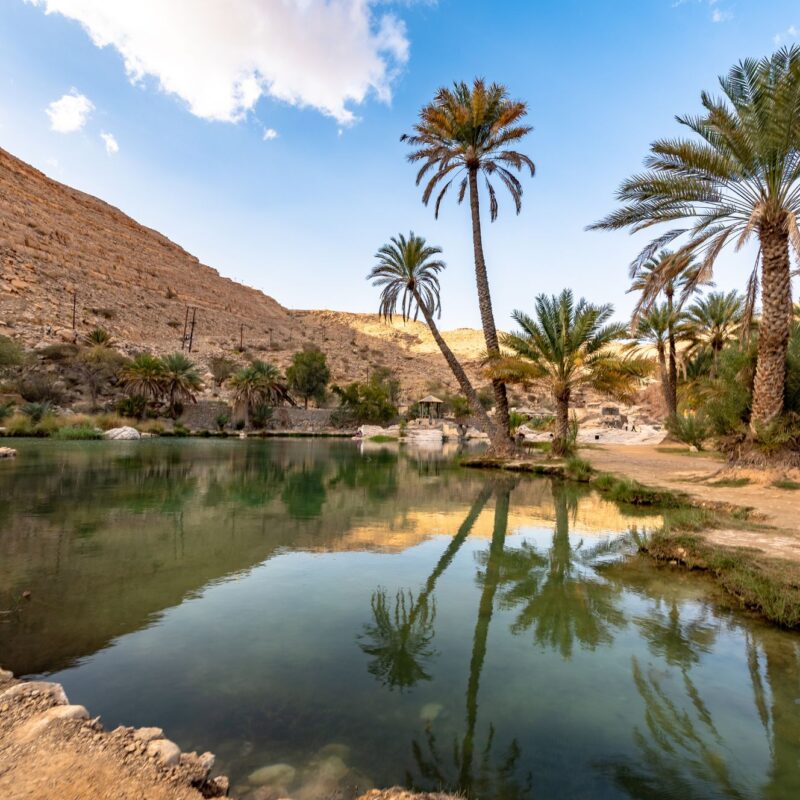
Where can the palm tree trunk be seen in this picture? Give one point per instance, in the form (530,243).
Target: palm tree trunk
(773,331)
(485,300)
(481,635)
(666,388)
(672,384)
(561,435)
(498,438)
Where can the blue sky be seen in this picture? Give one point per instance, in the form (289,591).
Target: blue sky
(300,215)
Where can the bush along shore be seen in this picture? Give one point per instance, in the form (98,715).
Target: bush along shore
(765,584)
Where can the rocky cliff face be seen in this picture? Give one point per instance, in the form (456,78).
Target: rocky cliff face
(59,246)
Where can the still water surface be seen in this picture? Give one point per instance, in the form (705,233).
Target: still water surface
(380,617)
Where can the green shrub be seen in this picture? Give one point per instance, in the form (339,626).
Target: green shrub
(785,483)
(308,375)
(577,469)
(63,351)
(625,490)
(221,369)
(6,409)
(369,403)
(77,433)
(515,420)
(39,387)
(35,411)
(260,415)
(691,429)
(222,420)
(133,407)
(11,353)
(178,429)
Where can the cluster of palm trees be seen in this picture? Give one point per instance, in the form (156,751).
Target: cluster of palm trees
(172,379)
(256,387)
(736,179)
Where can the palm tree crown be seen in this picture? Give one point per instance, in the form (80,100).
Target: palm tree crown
(406,270)
(144,376)
(180,380)
(714,320)
(566,346)
(741,179)
(470,128)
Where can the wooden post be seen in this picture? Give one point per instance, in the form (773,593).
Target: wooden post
(241,338)
(191,331)
(185,327)
(74,308)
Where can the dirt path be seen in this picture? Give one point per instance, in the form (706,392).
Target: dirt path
(694,474)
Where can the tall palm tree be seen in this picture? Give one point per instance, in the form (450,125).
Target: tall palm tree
(180,381)
(739,180)
(464,132)
(144,376)
(407,270)
(567,346)
(712,321)
(652,329)
(666,273)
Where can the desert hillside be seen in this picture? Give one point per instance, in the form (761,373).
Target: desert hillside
(57,243)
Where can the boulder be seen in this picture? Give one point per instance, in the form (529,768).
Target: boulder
(7,452)
(122,434)
(167,752)
(273,775)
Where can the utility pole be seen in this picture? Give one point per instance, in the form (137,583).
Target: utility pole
(191,332)
(185,327)
(74,308)
(241,338)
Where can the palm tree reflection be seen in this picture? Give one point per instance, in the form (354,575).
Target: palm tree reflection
(559,598)
(399,638)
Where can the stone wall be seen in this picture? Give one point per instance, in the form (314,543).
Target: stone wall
(203,414)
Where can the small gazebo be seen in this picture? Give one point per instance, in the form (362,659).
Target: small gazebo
(430,407)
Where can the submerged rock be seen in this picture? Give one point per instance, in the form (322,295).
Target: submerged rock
(273,775)
(7,452)
(430,711)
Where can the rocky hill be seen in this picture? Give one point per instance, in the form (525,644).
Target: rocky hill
(60,248)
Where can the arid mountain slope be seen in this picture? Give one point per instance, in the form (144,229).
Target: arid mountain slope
(57,243)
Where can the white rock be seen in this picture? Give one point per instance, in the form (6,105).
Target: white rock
(124,433)
(273,775)
(167,752)
(148,734)
(7,452)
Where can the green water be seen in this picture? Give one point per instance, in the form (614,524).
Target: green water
(385,617)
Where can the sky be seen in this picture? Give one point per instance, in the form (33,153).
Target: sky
(264,135)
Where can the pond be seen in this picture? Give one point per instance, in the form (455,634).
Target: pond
(350,615)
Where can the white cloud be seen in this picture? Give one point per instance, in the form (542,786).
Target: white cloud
(790,33)
(270,134)
(718,15)
(221,57)
(110,141)
(70,112)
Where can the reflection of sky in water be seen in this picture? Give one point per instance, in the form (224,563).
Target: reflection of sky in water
(509,662)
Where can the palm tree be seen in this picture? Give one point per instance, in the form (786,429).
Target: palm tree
(260,383)
(144,377)
(407,271)
(180,381)
(712,321)
(463,132)
(98,337)
(666,273)
(568,346)
(652,329)
(741,180)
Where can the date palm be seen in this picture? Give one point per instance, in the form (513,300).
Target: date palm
(259,384)
(566,346)
(668,274)
(464,132)
(144,377)
(738,180)
(714,320)
(652,329)
(180,381)
(407,272)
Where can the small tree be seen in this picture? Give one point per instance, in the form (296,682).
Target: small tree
(144,376)
(221,368)
(308,375)
(366,402)
(180,381)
